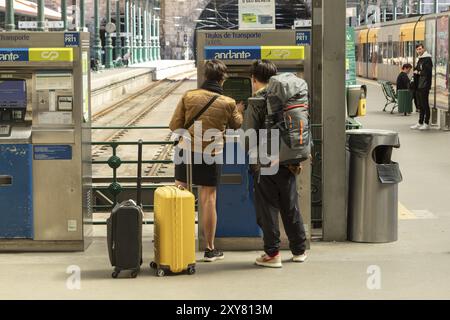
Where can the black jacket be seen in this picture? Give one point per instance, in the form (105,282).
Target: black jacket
(425,72)
(403,81)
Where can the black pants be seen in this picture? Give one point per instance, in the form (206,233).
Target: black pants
(424,104)
(416,101)
(278,194)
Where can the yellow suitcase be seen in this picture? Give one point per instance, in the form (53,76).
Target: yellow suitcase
(174,233)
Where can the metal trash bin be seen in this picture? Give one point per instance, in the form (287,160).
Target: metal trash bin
(373,180)
(404,98)
(355,93)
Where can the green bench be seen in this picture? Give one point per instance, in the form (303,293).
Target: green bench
(390,95)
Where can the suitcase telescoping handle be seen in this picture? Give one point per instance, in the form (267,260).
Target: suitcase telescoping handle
(189,173)
(139,174)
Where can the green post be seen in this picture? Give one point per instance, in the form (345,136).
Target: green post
(64,13)
(145,33)
(155,57)
(82,20)
(108,40)
(41,16)
(139,31)
(135,40)
(97,40)
(118,38)
(10,24)
(126,48)
(151,15)
(394,3)
(158,43)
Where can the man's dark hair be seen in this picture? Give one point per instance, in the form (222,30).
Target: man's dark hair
(407,66)
(420,45)
(263,70)
(215,70)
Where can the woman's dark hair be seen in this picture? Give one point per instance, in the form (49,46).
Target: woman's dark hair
(263,70)
(215,70)
(407,66)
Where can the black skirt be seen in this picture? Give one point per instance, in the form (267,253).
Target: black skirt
(202,174)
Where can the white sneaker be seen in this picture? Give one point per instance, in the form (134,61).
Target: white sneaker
(300,258)
(424,127)
(270,262)
(416,126)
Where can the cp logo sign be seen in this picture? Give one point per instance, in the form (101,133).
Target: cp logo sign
(49,55)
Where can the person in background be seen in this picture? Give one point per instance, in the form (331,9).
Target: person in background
(126,59)
(423,74)
(403,80)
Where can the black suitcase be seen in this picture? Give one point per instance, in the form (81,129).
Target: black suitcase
(124,231)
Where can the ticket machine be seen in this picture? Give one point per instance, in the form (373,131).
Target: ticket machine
(45,151)
(290,51)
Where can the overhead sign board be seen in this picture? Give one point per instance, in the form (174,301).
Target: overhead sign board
(47,24)
(36,54)
(302,23)
(255,53)
(257,14)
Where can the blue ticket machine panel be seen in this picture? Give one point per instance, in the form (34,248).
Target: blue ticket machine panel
(16,196)
(236,215)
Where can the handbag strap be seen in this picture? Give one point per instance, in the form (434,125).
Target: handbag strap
(199,114)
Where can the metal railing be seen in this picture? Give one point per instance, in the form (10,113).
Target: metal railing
(115,188)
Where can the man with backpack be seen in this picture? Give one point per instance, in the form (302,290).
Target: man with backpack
(276,193)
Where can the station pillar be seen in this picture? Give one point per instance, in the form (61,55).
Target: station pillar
(331,15)
(126,47)
(135,40)
(152,36)
(64,14)
(41,15)
(149,33)
(82,16)
(97,40)
(108,39)
(158,42)
(118,46)
(10,24)
(145,31)
(139,29)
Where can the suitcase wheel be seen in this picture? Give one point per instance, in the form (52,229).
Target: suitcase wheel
(160,273)
(115,274)
(134,274)
(153,265)
(191,270)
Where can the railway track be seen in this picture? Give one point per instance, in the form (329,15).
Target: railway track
(154,103)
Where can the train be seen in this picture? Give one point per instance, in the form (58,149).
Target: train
(382,49)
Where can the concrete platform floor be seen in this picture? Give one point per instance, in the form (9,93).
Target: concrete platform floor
(415,267)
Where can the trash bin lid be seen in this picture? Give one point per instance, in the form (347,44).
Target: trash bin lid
(364,140)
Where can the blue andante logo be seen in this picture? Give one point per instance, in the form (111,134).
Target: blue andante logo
(13,54)
(233,53)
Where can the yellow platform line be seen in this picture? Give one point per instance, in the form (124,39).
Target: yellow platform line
(404,213)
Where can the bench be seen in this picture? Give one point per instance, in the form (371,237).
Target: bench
(390,95)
